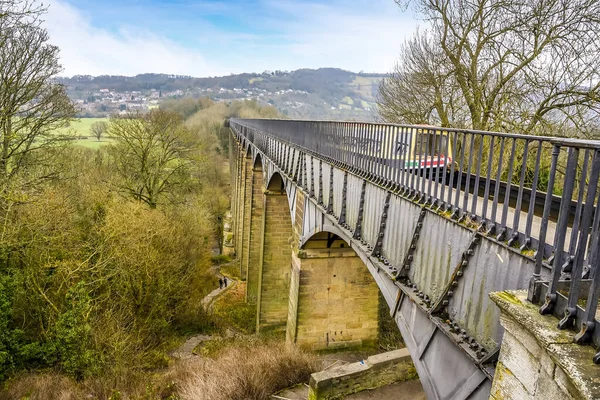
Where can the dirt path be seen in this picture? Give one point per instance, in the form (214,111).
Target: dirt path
(186,349)
(208,300)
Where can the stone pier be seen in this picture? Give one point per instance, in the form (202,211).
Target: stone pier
(333,297)
(537,360)
(274,273)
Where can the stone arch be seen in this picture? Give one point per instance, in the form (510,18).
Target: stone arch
(258,165)
(276,183)
(275,269)
(334,300)
(324,228)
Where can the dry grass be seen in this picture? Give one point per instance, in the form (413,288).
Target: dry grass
(250,372)
(42,387)
(129,385)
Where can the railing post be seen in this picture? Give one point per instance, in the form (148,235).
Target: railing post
(561,230)
(537,272)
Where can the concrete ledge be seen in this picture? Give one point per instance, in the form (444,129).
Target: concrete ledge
(537,360)
(378,370)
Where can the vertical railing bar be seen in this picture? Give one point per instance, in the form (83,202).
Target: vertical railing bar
(382,150)
(396,137)
(359,151)
(477,178)
(594,248)
(579,208)
(589,320)
(438,148)
(511,162)
(430,171)
(347,141)
(451,183)
(486,192)
(561,230)
(356,149)
(378,151)
(423,160)
(405,163)
(533,195)
(413,159)
(468,174)
(369,146)
(497,185)
(586,222)
(338,134)
(373,150)
(546,214)
(389,163)
(460,176)
(445,170)
(517,216)
(347,144)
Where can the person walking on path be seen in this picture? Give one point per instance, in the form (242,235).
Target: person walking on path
(225,281)
(221,283)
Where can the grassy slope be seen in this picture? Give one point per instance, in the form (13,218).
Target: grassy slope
(81,127)
(364,85)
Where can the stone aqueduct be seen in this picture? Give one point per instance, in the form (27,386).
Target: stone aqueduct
(318,234)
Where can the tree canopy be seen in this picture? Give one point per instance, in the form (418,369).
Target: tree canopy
(32,105)
(526,66)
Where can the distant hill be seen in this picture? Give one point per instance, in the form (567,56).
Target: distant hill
(325,93)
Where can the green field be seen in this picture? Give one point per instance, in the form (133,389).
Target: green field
(81,127)
(365,85)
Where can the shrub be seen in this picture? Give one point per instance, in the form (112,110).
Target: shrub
(231,309)
(252,371)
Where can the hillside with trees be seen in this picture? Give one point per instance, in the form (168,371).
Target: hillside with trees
(325,93)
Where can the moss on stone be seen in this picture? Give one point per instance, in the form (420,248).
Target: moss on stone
(506,296)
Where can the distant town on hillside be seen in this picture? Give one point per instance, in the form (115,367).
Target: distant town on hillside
(325,93)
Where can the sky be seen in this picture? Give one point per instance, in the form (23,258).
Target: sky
(220,37)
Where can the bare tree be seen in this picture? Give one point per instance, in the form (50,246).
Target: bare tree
(151,153)
(522,66)
(98,128)
(32,106)
(420,89)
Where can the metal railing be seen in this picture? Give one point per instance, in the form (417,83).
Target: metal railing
(536,194)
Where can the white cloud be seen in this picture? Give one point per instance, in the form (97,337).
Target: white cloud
(89,50)
(362,36)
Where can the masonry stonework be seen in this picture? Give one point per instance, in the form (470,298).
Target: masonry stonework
(241,192)
(376,371)
(246,216)
(537,360)
(337,300)
(292,315)
(274,276)
(255,239)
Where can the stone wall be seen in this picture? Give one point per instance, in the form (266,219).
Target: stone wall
(337,302)
(246,215)
(537,360)
(255,241)
(276,266)
(376,371)
(292,317)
